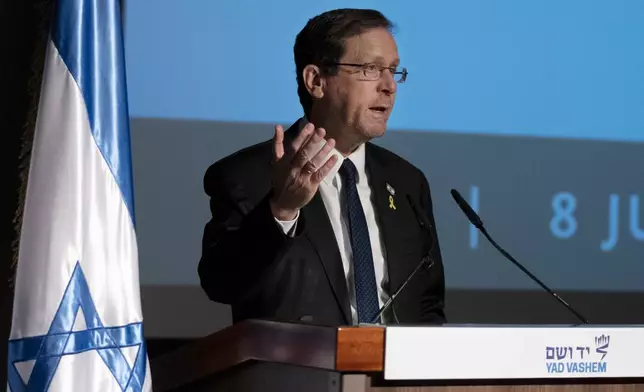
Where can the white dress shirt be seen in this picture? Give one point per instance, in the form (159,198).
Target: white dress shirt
(335,203)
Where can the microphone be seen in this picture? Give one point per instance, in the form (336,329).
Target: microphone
(478,223)
(424,261)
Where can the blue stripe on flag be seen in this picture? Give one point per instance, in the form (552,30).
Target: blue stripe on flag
(92,49)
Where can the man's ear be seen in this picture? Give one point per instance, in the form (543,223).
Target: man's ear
(313,80)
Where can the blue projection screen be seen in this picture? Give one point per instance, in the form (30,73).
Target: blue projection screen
(565,69)
(533,110)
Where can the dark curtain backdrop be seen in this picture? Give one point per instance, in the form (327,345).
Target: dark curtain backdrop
(23,32)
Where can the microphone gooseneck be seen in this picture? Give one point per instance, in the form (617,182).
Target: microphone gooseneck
(474,218)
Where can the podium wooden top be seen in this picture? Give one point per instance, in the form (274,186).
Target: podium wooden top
(345,349)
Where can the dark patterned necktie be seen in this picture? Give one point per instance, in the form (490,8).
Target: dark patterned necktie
(364,274)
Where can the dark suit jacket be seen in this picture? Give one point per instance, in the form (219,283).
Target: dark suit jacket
(249,263)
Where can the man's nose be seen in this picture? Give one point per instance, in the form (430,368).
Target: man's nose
(388,83)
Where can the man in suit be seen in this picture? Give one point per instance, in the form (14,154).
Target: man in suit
(319,224)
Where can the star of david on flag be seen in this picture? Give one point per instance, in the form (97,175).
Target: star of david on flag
(47,350)
(77,321)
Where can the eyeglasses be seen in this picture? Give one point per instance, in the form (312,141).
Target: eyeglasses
(374,71)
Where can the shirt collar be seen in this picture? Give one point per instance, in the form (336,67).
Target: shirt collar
(357,157)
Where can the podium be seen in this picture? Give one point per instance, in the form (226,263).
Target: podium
(261,355)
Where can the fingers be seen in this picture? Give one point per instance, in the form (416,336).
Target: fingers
(309,149)
(322,172)
(278,143)
(319,158)
(304,135)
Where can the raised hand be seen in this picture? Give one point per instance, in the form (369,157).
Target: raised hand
(299,169)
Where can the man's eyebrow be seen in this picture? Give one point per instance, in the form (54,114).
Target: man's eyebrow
(382,61)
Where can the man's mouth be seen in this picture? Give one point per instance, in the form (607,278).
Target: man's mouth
(380,109)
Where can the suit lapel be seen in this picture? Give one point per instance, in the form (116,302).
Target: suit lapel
(389,204)
(320,233)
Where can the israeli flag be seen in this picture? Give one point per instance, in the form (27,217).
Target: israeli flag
(77,322)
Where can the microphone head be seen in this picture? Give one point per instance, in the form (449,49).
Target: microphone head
(467,209)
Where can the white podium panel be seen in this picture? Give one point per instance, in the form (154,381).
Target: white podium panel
(476,352)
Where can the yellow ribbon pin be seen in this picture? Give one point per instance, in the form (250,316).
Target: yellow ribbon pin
(391,203)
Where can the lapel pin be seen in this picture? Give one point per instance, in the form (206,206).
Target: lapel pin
(391,203)
(391,190)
